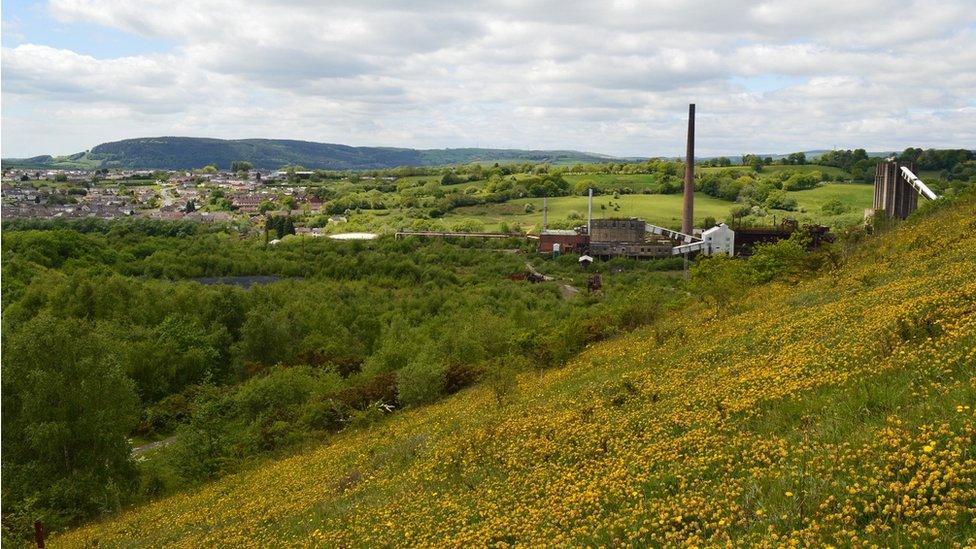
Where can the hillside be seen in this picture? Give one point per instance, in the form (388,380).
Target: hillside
(175,153)
(840,410)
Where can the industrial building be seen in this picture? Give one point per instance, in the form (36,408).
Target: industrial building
(562,241)
(632,237)
(636,238)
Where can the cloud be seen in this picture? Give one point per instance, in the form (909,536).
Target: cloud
(612,77)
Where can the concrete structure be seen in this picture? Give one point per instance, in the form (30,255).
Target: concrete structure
(896,189)
(617,230)
(631,249)
(892,194)
(688,212)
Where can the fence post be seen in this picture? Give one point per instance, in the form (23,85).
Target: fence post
(39,534)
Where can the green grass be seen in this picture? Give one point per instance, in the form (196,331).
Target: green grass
(858,197)
(659,209)
(665,210)
(770,170)
(636,182)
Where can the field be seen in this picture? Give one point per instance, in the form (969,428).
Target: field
(838,410)
(659,209)
(662,209)
(777,168)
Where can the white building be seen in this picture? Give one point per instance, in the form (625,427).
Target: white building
(719,239)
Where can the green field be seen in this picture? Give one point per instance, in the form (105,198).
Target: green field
(636,182)
(777,168)
(663,210)
(660,209)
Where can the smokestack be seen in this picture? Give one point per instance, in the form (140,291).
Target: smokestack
(589,215)
(545,212)
(687,218)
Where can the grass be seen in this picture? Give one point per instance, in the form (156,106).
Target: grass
(857,197)
(838,411)
(635,182)
(665,210)
(774,169)
(659,209)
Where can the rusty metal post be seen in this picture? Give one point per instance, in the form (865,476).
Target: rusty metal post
(39,534)
(687,218)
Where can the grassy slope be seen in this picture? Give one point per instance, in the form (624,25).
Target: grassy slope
(665,210)
(837,410)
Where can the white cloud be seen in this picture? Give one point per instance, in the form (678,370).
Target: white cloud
(611,77)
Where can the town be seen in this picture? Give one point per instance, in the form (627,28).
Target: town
(207,195)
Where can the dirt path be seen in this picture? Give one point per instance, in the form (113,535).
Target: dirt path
(566,291)
(139,450)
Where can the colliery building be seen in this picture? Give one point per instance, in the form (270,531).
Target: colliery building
(625,237)
(608,238)
(563,241)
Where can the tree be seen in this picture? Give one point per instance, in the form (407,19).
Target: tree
(780,200)
(67,408)
(209,169)
(797,158)
(718,278)
(241,166)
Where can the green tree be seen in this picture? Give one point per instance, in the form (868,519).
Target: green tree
(421,381)
(718,278)
(67,408)
(241,166)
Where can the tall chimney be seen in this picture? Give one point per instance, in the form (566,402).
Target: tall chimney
(589,215)
(688,214)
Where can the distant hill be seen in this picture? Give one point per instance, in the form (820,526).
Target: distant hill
(176,153)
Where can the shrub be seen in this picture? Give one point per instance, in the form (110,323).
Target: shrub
(834,207)
(779,200)
(784,260)
(421,381)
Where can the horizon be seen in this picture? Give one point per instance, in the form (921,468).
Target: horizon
(611,80)
(582,151)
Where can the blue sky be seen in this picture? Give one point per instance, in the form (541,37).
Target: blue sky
(608,77)
(32,23)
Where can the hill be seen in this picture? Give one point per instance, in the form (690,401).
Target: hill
(835,410)
(175,153)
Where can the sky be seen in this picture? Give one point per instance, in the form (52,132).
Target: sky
(612,76)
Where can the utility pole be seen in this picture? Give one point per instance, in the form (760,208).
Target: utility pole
(589,215)
(545,212)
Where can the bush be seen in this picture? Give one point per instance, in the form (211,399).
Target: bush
(779,200)
(784,260)
(718,278)
(834,207)
(502,378)
(421,381)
